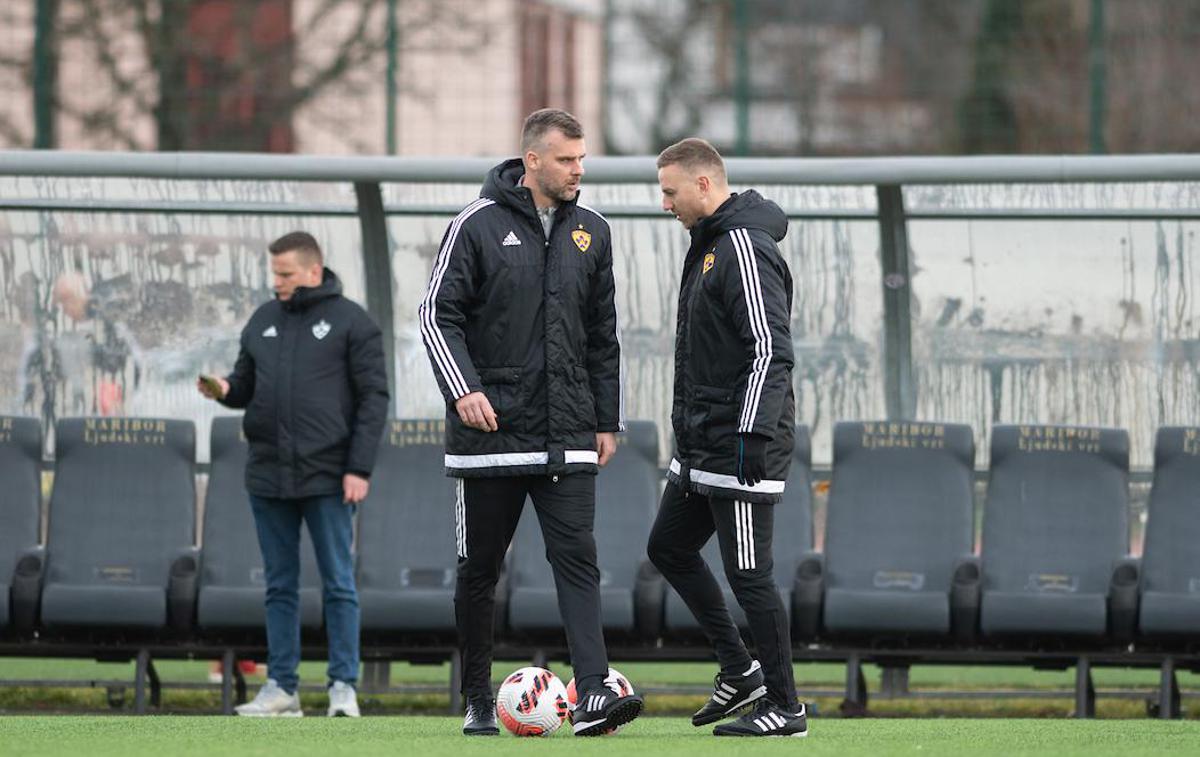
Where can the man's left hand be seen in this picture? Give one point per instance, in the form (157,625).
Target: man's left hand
(751,458)
(354,488)
(606,445)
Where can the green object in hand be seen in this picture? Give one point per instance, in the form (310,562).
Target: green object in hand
(213,386)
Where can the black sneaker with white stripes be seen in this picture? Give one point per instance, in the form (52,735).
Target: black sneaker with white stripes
(481,717)
(601,710)
(731,693)
(766,719)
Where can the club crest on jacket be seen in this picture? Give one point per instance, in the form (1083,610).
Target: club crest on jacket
(321,329)
(582,239)
(709,260)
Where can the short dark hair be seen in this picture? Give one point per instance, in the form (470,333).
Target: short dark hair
(540,122)
(694,155)
(300,242)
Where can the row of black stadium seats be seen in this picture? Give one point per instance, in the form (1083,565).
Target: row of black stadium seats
(898,557)
(119,551)
(898,562)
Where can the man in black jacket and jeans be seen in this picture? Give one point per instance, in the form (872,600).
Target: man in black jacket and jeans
(521,330)
(311,376)
(733,417)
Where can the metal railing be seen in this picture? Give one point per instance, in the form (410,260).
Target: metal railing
(887,176)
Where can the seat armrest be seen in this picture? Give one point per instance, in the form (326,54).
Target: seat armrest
(182,588)
(808,597)
(26,590)
(965,591)
(649,601)
(1123,599)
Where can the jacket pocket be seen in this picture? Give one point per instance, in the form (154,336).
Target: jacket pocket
(583,404)
(502,387)
(712,411)
(259,421)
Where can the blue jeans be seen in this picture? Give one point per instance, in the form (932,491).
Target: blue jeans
(331,525)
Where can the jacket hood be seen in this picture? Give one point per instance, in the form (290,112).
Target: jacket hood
(305,297)
(742,210)
(502,187)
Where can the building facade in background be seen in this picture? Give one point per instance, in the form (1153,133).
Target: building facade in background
(880,77)
(307,76)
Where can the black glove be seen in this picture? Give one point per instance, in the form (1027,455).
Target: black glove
(751,458)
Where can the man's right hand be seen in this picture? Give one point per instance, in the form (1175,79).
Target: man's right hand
(475,411)
(206,389)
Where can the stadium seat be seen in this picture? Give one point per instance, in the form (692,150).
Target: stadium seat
(20,500)
(899,525)
(232,584)
(1170,599)
(627,491)
(406,554)
(1055,531)
(792,544)
(122,525)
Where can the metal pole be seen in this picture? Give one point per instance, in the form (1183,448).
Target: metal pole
(741,92)
(228,661)
(139,684)
(45,74)
(456,694)
(606,93)
(1085,690)
(1098,75)
(899,384)
(392,64)
(377,270)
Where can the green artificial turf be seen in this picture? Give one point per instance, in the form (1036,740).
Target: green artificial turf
(823,683)
(431,736)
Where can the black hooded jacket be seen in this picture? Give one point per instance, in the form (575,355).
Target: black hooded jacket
(530,321)
(311,376)
(733,350)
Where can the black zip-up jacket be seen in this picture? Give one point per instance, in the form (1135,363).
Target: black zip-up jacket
(311,376)
(530,322)
(733,351)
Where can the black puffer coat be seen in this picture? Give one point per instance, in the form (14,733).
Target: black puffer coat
(733,350)
(311,376)
(530,322)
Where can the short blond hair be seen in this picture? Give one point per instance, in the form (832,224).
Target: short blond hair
(695,156)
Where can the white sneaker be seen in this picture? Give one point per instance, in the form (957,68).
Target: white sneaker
(271,702)
(342,701)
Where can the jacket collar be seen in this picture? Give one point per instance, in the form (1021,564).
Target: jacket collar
(305,297)
(502,185)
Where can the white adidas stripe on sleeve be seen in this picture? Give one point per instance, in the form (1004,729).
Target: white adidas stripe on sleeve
(427,311)
(752,290)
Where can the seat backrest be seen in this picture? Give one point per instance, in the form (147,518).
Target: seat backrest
(901,506)
(406,533)
(1171,553)
(627,491)
(1057,513)
(232,556)
(124,499)
(21,493)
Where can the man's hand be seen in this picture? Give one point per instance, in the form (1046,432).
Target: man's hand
(354,488)
(606,446)
(475,411)
(206,387)
(751,458)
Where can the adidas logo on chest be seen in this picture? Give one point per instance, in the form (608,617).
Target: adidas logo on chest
(511,240)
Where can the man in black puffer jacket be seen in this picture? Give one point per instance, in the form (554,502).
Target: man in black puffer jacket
(733,416)
(521,331)
(311,376)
